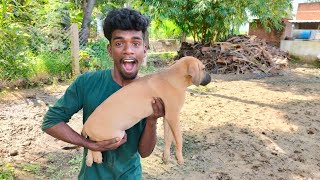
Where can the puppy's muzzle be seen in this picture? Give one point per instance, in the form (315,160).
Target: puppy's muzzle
(206,80)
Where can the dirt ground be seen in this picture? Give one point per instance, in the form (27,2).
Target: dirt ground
(239,127)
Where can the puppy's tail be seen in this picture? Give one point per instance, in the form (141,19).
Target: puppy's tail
(84,134)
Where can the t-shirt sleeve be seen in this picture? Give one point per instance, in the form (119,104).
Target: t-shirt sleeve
(64,108)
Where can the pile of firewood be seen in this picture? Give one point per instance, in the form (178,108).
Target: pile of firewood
(239,54)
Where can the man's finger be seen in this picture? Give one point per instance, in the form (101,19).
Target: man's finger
(115,140)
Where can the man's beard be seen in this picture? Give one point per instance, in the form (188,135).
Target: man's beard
(131,77)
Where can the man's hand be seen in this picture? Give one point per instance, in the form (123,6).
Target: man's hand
(158,109)
(148,139)
(107,145)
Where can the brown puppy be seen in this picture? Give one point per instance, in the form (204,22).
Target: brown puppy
(130,104)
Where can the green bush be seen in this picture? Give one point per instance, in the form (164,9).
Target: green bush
(53,63)
(167,30)
(13,45)
(95,56)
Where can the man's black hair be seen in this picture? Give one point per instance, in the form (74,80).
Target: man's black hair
(125,19)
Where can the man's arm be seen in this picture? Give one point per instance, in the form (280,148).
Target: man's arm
(148,139)
(64,132)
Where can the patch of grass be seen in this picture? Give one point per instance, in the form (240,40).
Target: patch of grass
(147,69)
(67,168)
(31,168)
(210,88)
(163,56)
(316,64)
(75,164)
(297,61)
(7,172)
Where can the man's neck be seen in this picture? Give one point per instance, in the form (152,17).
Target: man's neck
(118,79)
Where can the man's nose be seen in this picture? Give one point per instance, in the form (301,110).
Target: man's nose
(128,49)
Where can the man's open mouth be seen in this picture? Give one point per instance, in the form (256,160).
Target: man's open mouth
(129,65)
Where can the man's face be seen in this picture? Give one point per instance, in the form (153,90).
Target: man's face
(127,49)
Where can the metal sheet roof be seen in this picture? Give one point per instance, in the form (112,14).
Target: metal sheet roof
(304,21)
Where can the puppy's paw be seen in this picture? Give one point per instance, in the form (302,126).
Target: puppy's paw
(97,157)
(89,159)
(166,158)
(180,159)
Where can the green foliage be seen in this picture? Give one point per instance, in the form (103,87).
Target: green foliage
(208,21)
(95,56)
(75,164)
(12,52)
(52,63)
(33,168)
(34,39)
(6,172)
(165,30)
(167,56)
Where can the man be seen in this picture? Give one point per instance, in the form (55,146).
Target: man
(125,29)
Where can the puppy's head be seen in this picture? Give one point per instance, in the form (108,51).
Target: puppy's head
(196,70)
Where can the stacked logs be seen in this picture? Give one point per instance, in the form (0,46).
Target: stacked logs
(239,55)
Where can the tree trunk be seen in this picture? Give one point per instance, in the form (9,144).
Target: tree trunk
(85,27)
(183,37)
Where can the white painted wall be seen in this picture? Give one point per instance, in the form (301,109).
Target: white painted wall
(305,50)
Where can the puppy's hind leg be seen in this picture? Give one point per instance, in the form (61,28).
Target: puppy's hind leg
(168,138)
(97,156)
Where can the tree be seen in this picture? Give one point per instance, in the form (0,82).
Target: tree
(85,26)
(210,20)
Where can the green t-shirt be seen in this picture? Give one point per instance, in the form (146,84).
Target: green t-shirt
(87,92)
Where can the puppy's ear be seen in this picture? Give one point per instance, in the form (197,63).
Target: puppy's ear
(194,72)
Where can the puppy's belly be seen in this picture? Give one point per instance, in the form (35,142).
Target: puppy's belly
(111,118)
(107,135)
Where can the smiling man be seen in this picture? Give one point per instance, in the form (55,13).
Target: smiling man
(125,29)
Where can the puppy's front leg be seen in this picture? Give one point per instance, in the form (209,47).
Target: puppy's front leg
(93,156)
(168,138)
(89,158)
(97,156)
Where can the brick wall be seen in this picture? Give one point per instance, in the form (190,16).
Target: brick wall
(274,37)
(308,11)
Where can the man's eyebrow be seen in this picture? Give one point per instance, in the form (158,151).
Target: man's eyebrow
(137,37)
(134,37)
(117,37)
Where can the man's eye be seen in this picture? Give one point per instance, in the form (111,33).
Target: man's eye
(136,44)
(118,43)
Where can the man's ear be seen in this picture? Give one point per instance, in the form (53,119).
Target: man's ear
(194,72)
(109,49)
(145,50)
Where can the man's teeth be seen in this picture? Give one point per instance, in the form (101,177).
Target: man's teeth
(129,61)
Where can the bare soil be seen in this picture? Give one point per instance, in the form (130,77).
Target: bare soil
(239,127)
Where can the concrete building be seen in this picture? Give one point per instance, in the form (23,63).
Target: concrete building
(305,43)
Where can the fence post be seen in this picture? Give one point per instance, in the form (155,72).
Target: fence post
(75,49)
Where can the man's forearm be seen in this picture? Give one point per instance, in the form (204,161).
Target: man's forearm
(65,133)
(148,139)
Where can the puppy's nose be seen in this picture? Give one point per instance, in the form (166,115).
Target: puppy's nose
(206,80)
